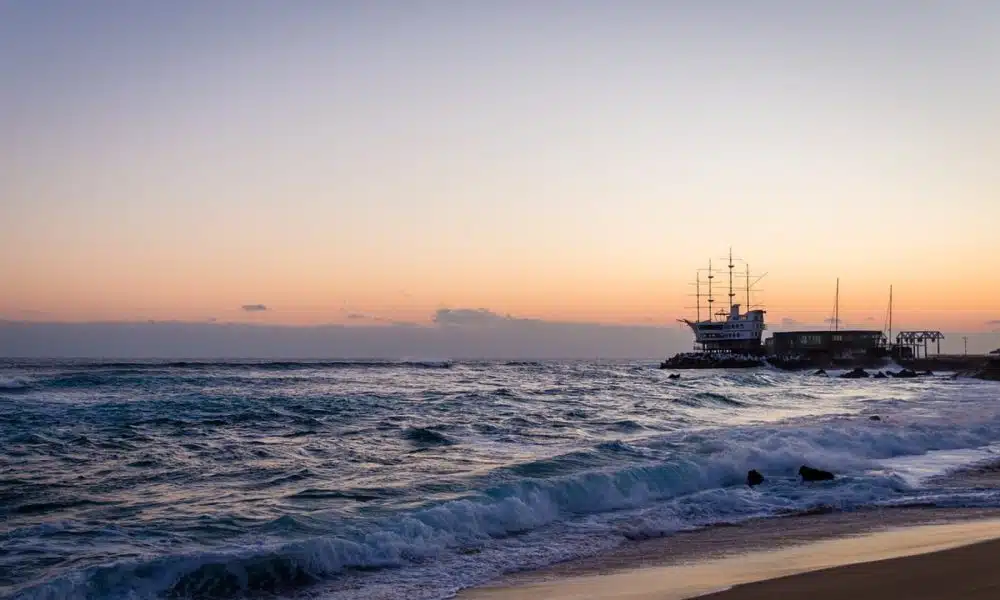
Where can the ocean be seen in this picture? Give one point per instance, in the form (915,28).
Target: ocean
(416,479)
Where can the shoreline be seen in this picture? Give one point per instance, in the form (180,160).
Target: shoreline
(967,571)
(717,558)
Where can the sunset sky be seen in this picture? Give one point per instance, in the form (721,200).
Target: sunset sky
(372,161)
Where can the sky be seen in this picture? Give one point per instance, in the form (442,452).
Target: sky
(370,163)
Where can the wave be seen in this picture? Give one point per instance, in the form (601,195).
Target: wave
(424,437)
(74,380)
(703,483)
(309,364)
(326,494)
(706,399)
(627,425)
(101,374)
(14,384)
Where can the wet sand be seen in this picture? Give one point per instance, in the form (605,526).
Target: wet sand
(967,573)
(709,561)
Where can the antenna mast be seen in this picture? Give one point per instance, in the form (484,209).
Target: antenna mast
(890,314)
(836,308)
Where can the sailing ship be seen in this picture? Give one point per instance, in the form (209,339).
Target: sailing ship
(727,330)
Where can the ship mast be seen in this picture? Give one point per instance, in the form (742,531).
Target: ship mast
(711,276)
(731,294)
(697,295)
(748,287)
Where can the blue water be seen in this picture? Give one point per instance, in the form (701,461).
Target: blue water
(414,480)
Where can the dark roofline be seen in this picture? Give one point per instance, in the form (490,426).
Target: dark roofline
(828,331)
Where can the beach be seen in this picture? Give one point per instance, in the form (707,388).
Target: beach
(968,572)
(909,552)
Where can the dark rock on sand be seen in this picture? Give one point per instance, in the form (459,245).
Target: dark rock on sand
(754,477)
(820,373)
(811,474)
(674,376)
(874,418)
(904,374)
(879,375)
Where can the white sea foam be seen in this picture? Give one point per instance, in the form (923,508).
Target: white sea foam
(15,382)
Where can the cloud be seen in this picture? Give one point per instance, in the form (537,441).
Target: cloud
(254,307)
(356,316)
(833,320)
(869,318)
(993,322)
(469,317)
(504,337)
(789,322)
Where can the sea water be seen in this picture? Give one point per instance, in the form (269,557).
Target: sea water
(416,479)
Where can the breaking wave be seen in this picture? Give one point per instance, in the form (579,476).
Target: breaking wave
(701,484)
(13,384)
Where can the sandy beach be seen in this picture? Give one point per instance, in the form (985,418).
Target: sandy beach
(912,553)
(968,573)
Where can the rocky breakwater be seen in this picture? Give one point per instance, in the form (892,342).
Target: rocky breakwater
(990,371)
(708,360)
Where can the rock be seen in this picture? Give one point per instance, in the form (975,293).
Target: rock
(856,373)
(674,376)
(990,373)
(811,474)
(707,360)
(874,418)
(754,477)
(820,373)
(931,373)
(879,375)
(904,374)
